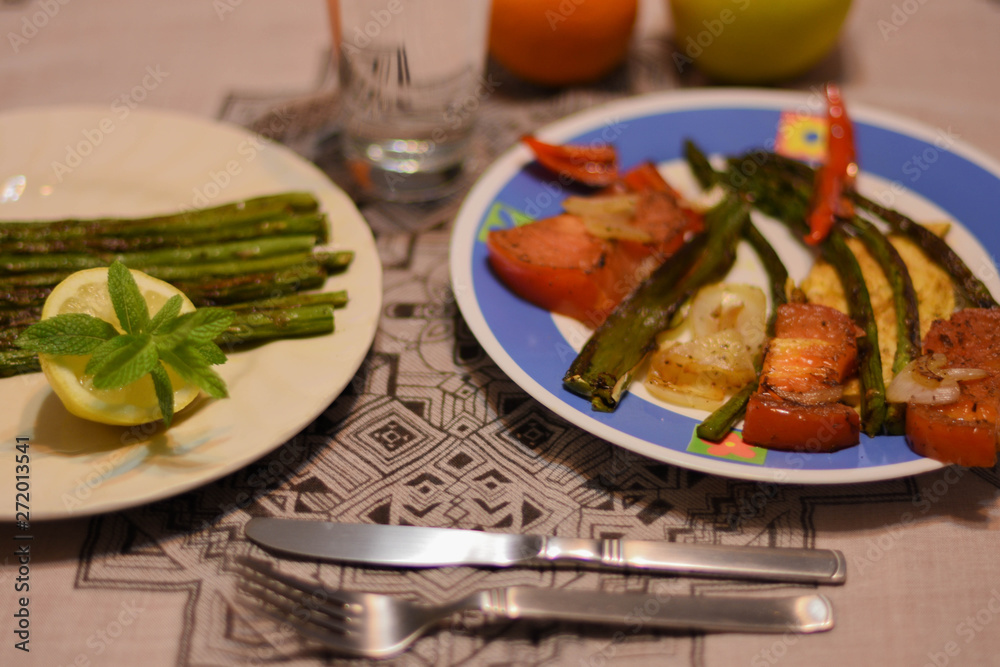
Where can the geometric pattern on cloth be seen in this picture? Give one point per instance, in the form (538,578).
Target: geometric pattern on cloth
(431,432)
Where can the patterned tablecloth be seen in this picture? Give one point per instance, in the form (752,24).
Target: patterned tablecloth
(431,432)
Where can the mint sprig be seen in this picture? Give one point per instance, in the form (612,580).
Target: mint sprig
(73,333)
(127,300)
(184,342)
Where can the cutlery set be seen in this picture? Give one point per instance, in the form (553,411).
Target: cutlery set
(378,626)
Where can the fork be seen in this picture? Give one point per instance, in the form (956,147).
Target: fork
(371,625)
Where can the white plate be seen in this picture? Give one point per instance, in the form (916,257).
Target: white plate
(85,161)
(923,171)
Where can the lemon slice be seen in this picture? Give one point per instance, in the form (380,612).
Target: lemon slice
(87,292)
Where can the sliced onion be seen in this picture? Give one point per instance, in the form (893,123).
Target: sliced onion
(684,397)
(722,306)
(615,227)
(602,205)
(700,372)
(904,389)
(609,216)
(963,374)
(926,369)
(925,381)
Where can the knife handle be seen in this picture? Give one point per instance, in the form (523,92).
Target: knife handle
(641,611)
(817,566)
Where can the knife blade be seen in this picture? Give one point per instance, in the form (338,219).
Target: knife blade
(421,547)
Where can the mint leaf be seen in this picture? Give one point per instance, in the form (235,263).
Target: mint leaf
(197,328)
(164,392)
(127,364)
(190,365)
(104,352)
(212,353)
(71,333)
(167,313)
(129,305)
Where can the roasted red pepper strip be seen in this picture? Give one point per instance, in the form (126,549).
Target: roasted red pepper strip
(837,174)
(646,177)
(590,165)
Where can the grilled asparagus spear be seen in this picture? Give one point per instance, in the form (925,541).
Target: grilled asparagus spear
(604,368)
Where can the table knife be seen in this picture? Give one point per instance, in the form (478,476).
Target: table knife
(420,547)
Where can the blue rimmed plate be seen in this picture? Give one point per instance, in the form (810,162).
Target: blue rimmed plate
(925,172)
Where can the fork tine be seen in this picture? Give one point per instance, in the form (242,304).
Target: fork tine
(281,597)
(279,605)
(341,599)
(340,641)
(297,599)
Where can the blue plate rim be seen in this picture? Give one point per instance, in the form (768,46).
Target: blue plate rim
(484,193)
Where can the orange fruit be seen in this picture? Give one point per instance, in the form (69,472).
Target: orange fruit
(561,42)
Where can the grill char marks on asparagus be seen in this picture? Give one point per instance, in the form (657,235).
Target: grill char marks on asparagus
(906,308)
(971,289)
(296,319)
(721,421)
(310,224)
(197,221)
(782,189)
(219,253)
(604,368)
(254,256)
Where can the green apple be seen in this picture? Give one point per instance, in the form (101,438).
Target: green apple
(755,41)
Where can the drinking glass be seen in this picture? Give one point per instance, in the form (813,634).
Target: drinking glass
(411,81)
